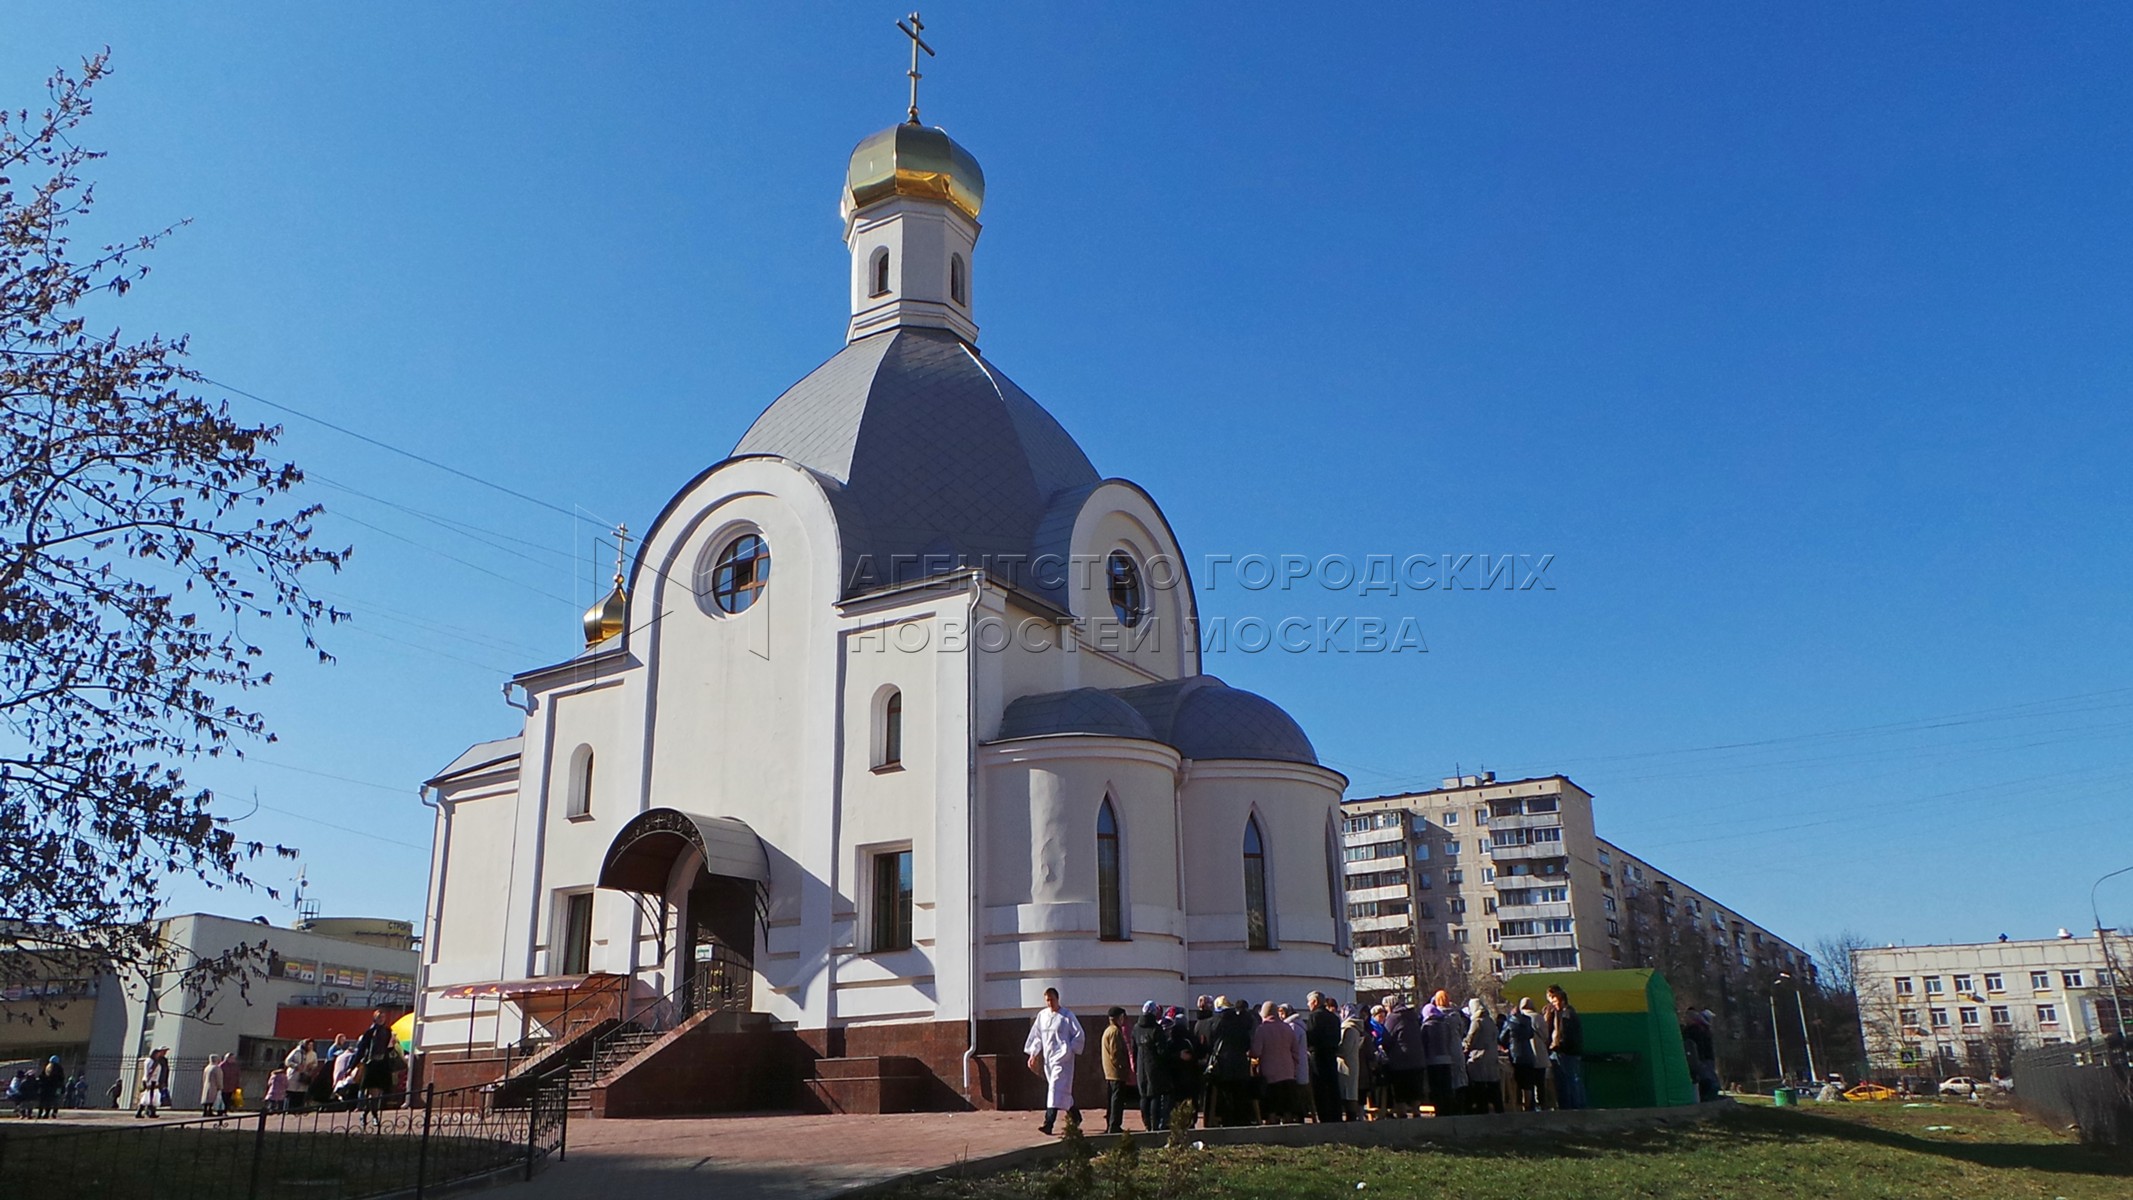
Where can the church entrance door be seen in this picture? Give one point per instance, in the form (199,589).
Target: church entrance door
(718,943)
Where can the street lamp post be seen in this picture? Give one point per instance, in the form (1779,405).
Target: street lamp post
(2118,982)
(1775,1044)
(1806,1040)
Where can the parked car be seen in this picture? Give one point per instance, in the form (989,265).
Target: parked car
(1870,1091)
(1961,1085)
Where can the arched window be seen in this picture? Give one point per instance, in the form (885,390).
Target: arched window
(878,273)
(958,281)
(892,730)
(1257,935)
(1336,893)
(1110,906)
(1123,576)
(578,790)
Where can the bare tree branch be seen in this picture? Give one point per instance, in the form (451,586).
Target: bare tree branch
(140,526)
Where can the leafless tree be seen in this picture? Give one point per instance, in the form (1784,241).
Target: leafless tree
(144,535)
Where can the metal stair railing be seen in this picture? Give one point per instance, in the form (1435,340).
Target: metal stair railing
(723,981)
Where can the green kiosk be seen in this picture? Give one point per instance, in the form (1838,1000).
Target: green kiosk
(1633,1056)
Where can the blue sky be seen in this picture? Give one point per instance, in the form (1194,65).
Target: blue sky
(1800,338)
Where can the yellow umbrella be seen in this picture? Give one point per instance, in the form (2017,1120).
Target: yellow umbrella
(404,1032)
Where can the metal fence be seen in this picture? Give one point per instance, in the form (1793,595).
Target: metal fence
(2083,1084)
(333,1153)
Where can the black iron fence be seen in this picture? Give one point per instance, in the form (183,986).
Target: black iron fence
(336,1153)
(2085,1085)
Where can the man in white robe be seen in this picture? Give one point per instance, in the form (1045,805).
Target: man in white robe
(1055,1037)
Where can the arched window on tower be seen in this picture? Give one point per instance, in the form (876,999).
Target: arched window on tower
(1257,934)
(878,273)
(1336,894)
(958,281)
(579,790)
(1110,898)
(891,753)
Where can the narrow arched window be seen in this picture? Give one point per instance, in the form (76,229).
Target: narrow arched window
(958,283)
(1336,892)
(880,273)
(1123,576)
(1257,936)
(1110,906)
(892,730)
(579,789)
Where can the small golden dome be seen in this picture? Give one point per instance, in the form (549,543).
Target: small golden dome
(607,618)
(912,160)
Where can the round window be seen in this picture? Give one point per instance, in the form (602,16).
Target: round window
(1127,598)
(738,574)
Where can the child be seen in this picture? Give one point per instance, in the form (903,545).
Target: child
(278,1090)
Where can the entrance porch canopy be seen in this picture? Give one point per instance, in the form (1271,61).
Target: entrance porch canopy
(642,856)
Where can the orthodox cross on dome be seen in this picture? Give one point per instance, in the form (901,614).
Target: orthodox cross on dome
(622,541)
(912,31)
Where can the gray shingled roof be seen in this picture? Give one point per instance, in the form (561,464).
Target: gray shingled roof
(1083,710)
(480,754)
(1199,715)
(940,462)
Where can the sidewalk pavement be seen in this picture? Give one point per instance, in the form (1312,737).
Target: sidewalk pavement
(784,1157)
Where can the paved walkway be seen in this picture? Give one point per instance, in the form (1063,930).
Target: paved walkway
(767,1157)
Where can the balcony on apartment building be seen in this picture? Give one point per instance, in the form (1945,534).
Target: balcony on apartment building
(1533,912)
(1532,850)
(1364,837)
(1546,820)
(1389,891)
(1539,941)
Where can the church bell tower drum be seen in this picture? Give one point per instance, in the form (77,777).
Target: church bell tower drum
(911,201)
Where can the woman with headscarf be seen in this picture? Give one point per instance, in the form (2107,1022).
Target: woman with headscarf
(1229,1046)
(1184,1067)
(211,1087)
(1484,1070)
(1519,1038)
(1405,1061)
(52,1088)
(1146,1040)
(1353,1063)
(1377,1095)
(1441,1036)
(1274,1058)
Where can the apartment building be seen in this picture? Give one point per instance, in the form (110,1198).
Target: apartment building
(1484,877)
(1970,1005)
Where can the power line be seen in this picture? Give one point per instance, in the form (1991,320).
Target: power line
(446,554)
(433,651)
(401,790)
(377,837)
(384,445)
(463,528)
(577,513)
(361,610)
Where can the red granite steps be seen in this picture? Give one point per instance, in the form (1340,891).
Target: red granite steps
(887,1084)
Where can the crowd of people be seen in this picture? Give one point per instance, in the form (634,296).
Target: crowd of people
(1322,1061)
(39,1094)
(357,1072)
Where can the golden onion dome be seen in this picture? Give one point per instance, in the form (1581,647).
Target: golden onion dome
(607,618)
(913,160)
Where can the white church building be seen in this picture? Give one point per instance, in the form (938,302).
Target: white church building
(894,719)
